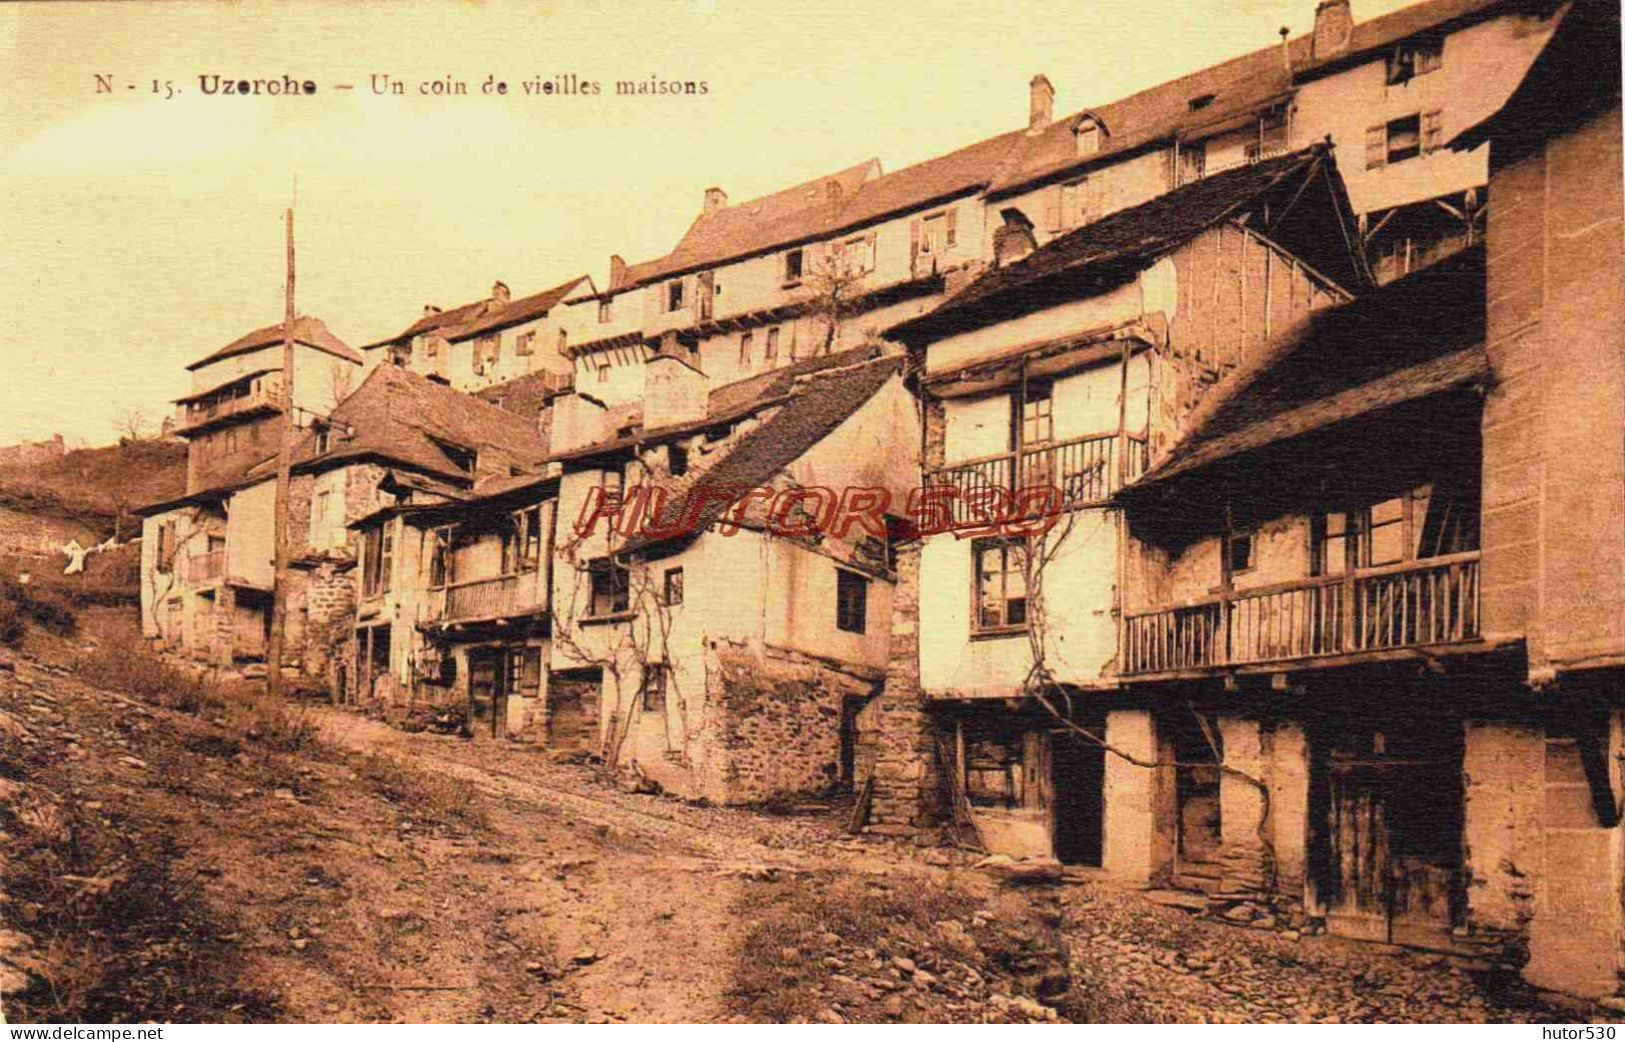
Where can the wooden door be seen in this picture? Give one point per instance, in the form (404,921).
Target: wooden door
(1395,831)
(485,676)
(572,712)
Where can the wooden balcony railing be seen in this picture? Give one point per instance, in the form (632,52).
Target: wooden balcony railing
(495,598)
(264,393)
(205,567)
(1414,604)
(1084,471)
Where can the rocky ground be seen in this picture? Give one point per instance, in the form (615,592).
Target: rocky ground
(221,863)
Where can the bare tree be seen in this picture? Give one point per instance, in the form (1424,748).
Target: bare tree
(132,425)
(836,280)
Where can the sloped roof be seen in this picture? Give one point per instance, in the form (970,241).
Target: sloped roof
(307,330)
(817,406)
(435,320)
(397,417)
(239,378)
(1240,85)
(757,224)
(1412,338)
(524,309)
(730,402)
(1123,243)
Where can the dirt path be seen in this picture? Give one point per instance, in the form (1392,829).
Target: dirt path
(161,865)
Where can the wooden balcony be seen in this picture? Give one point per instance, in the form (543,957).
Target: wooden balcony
(485,600)
(1085,471)
(1411,605)
(261,396)
(204,568)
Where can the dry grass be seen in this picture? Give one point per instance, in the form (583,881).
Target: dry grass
(422,795)
(124,664)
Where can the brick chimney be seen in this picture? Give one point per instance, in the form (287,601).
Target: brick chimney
(577,420)
(1013,239)
(715,199)
(1040,103)
(499,293)
(1334,24)
(617,271)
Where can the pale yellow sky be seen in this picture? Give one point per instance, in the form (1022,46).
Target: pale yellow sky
(139,233)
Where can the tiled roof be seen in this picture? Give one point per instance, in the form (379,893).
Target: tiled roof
(398,417)
(514,312)
(312,332)
(1116,246)
(730,402)
(756,224)
(435,320)
(817,406)
(1415,337)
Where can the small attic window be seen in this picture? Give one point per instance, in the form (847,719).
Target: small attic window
(1088,135)
(461,457)
(1202,101)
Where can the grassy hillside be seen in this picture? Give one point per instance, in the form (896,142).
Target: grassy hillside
(97,486)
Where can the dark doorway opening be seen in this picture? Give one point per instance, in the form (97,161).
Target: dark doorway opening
(487,694)
(1078,776)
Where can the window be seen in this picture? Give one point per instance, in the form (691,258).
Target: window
(1037,414)
(1241,552)
(851,601)
(654,687)
(1429,521)
(377,559)
(939,232)
(676,461)
(1432,130)
(461,457)
(324,441)
(522,541)
(674,295)
(564,340)
(524,672)
(603,373)
(1001,584)
(672,593)
(745,342)
(606,311)
(166,548)
(858,255)
(1414,58)
(1202,101)
(440,559)
(1088,138)
(611,583)
(1402,139)
(772,352)
(792,266)
(487,352)
(526,343)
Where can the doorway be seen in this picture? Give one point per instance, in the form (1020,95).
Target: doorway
(487,695)
(1078,783)
(572,710)
(1394,811)
(1196,749)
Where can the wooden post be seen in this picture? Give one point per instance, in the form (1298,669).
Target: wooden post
(279,583)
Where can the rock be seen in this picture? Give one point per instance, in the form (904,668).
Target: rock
(829,1016)
(904,965)
(301,944)
(893,1006)
(131,761)
(1030,1009)
(585,957)
(1245,912)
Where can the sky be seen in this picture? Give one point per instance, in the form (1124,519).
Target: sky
(140,231)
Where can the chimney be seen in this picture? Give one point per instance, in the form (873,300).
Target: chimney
(499,293)
(674,391)
(617,270)
(577,420)
(430,309)
(1040,103)
(715,199)
(1334,24)
(1013,239)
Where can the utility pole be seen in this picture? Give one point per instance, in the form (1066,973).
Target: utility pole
(284,454)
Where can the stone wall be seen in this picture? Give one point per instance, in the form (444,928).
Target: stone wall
(777,724)
(905,771)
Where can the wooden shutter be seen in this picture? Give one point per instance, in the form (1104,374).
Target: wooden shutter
(1376,147)
(1433,130)
(1052,209)
(951,232)
(915,228)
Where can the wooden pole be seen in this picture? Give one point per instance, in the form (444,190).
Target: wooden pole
(284,454)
